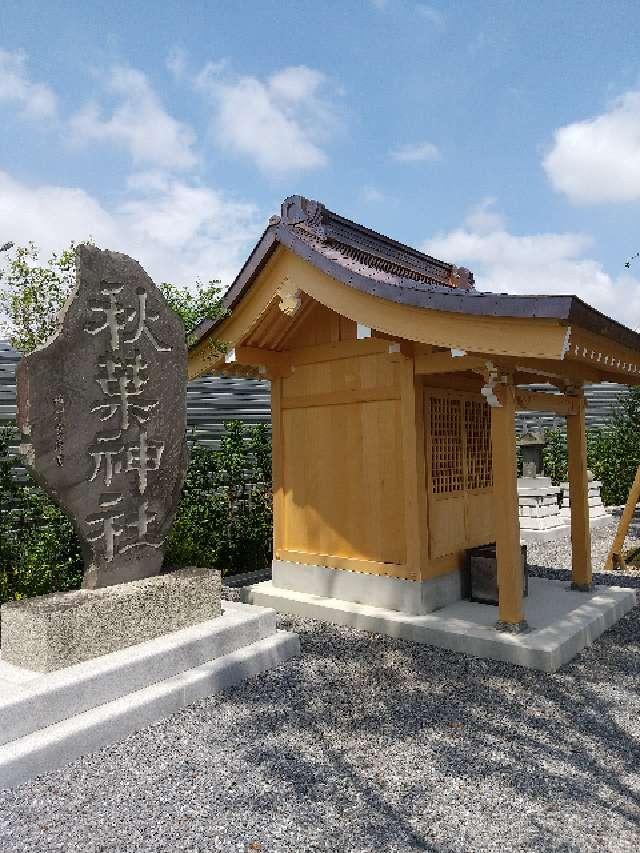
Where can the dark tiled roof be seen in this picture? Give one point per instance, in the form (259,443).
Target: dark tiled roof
(380,266)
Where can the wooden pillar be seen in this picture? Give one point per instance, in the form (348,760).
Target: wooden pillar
(415,495)
(505,496)
(276,461)
(579,496)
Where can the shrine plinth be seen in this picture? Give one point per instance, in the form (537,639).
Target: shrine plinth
(102,413)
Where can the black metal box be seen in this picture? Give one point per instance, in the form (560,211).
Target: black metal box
(480,574)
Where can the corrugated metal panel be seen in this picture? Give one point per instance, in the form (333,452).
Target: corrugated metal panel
(601,400)
(211,401)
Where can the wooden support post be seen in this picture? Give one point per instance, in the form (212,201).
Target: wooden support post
(277,466)
(413,461)
(507,526)
(616,559)
(581,575)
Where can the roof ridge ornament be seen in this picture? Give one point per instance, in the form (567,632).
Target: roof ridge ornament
(305,213)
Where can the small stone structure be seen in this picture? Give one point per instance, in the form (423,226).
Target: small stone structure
(53,631)
(539,510)
(597,511)
(102,412)
(538,498)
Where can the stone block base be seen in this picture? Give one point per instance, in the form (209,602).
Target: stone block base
(391,593)
(48,720)
(54,631)
(561,621)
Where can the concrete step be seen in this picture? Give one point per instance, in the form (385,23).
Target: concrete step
(63,742)
(31,701)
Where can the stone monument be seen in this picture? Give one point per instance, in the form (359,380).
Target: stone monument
(102,412)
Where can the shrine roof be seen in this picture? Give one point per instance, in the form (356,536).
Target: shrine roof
(380,266)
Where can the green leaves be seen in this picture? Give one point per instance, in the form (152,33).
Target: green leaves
(613,451)
(39,550)
(205,304)
(32,294)
(225,518)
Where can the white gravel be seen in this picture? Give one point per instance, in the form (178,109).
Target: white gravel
(369,744)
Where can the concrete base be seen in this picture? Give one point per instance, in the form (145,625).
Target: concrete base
(562,621)
(528,537)
(49,720)
(58,630)
(360,588)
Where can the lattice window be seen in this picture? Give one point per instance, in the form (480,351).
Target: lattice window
(447,472)
(460,445)
(477,429)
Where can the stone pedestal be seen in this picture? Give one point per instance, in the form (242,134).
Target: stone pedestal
(53,631)
(538,509)
(49,719)
(597,511)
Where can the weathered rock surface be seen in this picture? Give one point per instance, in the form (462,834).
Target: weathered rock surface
(102,412)
(53,631)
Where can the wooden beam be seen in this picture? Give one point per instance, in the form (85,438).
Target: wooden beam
(565,369)
(615,558)
(334,352)
(581,574)
(540,401)
(276,363)
(507,526)
(444,362)
(339,398)
(350,564)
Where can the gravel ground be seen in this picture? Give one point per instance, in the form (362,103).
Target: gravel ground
(369,744)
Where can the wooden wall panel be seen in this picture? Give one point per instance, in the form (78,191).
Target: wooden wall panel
(458,459)
(446,524)
(345,374)
(343,482)
(479,518)
(321,325)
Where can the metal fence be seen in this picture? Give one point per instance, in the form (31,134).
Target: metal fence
(212,401)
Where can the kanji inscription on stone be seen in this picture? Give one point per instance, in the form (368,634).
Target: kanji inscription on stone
(102,412)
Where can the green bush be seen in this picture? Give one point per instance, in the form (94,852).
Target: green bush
(613,451)
(39,550)
(223,519)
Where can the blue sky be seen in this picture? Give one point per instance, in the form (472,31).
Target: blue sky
(504,136)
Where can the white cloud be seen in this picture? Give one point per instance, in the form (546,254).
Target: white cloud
(36,100)
(417,152)
(177,62)
(281,123)
(431,14)
(139,122)
(598,160)
(536,264)
(179,232)
(372,195)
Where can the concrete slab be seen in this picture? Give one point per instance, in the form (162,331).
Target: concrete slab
(564,529)
(47,720)
(562,621)
(387,592)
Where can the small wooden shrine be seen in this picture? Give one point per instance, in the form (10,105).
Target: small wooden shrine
(395,386)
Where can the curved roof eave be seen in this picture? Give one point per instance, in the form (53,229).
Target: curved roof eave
(565,309)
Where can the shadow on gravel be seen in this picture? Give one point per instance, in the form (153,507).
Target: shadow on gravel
(457,724)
